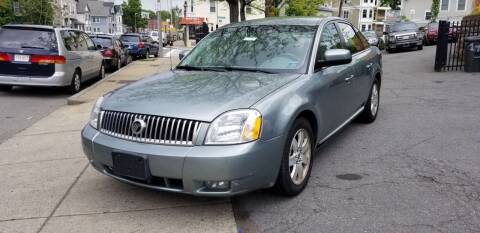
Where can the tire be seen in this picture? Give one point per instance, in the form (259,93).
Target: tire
(147,55)
(101,73)
(370,111)
(119,63)
(156,54)
(390,51)
(289,182)
(6,88)
(420,47)
(76,84)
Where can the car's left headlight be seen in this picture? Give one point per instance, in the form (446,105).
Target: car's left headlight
(96,113)
(235,127)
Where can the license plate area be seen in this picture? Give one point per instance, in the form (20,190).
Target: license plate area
(21,58)
(132,166)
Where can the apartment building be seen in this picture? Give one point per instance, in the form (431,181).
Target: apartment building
(216,13)
(367,15)
(97,16)
(419,11)
(65,13)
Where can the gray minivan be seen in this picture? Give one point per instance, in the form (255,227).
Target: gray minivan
(35,55)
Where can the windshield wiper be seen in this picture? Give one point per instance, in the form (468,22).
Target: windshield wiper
(32,47)
(202,68)
(235,68)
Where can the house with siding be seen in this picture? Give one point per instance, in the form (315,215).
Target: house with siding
(100,16)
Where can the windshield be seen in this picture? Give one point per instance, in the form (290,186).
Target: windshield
(154,33)
(276,49)
(28,38)
(130,39)
(399,27)
(105,42)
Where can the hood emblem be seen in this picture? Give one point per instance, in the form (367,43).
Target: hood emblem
(138,126)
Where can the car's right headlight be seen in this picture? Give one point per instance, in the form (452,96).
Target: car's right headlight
(235,127)
(392,38)
(96,113)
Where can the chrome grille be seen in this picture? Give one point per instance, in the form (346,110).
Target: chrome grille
(158,130)
(405,37)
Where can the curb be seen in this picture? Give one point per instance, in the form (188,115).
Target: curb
(77,100)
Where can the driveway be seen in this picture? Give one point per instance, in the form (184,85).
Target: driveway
(416,169)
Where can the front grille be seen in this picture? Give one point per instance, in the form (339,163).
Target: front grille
(158,129)
(405,37)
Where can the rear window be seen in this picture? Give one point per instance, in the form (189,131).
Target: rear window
(130,38)
(28,38)
(103,41)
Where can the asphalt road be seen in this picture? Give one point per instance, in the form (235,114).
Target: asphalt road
(416,169)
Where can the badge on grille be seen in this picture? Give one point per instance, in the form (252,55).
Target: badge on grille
(137,126)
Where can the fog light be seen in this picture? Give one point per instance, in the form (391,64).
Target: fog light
(217,185)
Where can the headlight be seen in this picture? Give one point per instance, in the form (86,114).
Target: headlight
(234,127)
(95,113)
(392,39)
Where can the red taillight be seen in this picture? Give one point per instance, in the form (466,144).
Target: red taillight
(48,59)
(5,57)
(141,45)
(107,53)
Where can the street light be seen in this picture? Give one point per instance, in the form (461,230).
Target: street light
(135,19)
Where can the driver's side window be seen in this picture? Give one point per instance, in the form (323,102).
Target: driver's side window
(330,39)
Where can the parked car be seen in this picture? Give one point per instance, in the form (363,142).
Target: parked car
(154,35)
(403,35)
(430,33)
(140,46)
(34,55)
(374,39)
(244,110)
(115,54)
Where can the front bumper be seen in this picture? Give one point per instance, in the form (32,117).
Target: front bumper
(58,79)
(247,166)
(137,52)
(405,44)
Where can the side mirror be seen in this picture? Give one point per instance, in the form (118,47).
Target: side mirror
(335,57)
(385,33)
(99,47)
(183,54)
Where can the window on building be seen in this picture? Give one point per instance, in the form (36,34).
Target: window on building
(191,6)
(365,1)
(428,15)
(364,27)
(370,14)
(461,5)
(369,27)
(346,14)
(96,19)
(212,6)
(364,14)
(444,5)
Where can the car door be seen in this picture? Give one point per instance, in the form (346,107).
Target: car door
(82,51)
(153,46)
(333,95)
(357,81)
(95,58)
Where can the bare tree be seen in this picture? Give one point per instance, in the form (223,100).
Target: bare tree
(233,7)
(243,5)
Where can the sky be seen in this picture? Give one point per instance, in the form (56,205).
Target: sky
(150,4)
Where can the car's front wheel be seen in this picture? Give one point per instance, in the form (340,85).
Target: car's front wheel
(370,111)
(76,84)
(297,159)
(101,73)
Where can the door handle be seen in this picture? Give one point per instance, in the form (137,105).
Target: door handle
(369,65)
(347,79)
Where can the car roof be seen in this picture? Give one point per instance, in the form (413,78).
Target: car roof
(102,35)
(131,34)
(308,21)
(29,26)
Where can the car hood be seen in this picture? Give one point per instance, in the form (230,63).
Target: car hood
(197,95)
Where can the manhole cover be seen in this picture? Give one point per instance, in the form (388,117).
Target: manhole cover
(349,177)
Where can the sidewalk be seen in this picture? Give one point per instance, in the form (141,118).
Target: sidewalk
(48,186)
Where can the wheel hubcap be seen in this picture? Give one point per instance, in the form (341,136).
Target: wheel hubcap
(77,82)
(299,156)
(374,100)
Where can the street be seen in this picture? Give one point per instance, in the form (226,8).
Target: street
(414,170)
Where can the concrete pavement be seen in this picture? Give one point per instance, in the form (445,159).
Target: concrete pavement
(48,186)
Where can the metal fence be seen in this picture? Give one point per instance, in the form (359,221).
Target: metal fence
(451,45)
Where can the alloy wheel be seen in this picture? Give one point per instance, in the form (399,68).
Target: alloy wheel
(77,82)
(374,99)
(299,156)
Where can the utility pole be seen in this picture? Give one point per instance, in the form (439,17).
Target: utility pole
(185,36)
(160,33)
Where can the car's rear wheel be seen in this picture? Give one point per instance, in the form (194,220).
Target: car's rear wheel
(76,84)
(370,111)
(147,54)
(420,47)
(296,160)
(101,73)
(6,87)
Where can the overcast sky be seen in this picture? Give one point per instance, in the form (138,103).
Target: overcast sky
(150,4)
